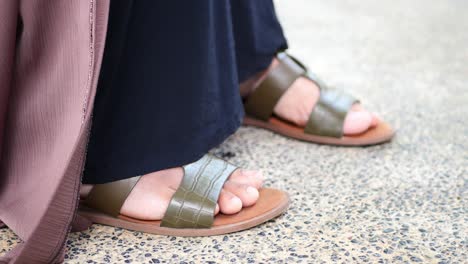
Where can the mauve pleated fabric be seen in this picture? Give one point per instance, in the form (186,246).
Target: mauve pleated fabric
(50,56)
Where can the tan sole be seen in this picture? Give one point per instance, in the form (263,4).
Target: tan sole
(270,204)
(382,133)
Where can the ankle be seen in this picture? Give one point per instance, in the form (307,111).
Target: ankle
(249,85)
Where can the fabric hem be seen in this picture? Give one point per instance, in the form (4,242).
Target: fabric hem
(150,164)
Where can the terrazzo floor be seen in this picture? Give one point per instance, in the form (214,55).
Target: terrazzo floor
(401,202)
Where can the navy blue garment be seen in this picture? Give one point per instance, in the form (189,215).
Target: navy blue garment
(168,90)
(258,35)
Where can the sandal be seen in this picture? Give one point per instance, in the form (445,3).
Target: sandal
(191,209)
(325,125)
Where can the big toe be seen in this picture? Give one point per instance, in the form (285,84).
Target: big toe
(375,117)
(357,122)
(229,203)
(246,193)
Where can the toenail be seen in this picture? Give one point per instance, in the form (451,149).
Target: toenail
(236,201)
(251,190)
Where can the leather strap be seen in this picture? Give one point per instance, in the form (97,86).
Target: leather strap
(327,117)
(262,101)
(194,203)
(109,197)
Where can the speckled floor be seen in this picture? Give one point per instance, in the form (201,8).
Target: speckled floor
(401,202)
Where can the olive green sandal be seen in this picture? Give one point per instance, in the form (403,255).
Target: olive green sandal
(191,209)
(325,125)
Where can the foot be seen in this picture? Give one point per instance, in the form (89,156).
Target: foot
(150,197)
(299,100)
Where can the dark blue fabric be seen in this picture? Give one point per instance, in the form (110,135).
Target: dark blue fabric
(168,89)
(257,34)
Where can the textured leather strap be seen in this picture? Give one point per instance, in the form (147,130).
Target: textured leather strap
(194,203)
(262,101)
(109,197)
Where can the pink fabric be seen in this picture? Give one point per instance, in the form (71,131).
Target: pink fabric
(49,64)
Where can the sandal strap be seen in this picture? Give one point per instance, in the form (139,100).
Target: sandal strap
(109,197)
(193,204)
(329,113)
(262,101)
(328,116)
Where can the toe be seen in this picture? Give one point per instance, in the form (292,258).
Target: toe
(249,177)
(229,203)
(375,119)
(217,209)
(246,193)
(357,122)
